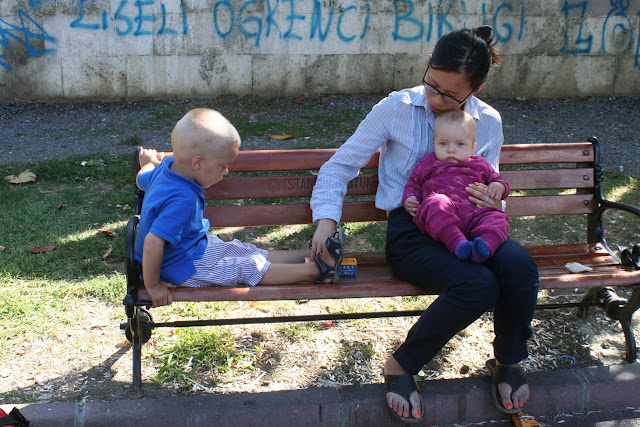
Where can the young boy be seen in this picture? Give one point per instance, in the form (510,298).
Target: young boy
(173,245)
(435,194)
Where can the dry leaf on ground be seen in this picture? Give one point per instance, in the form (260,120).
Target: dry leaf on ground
(22,178)
(40,249)
(279,136)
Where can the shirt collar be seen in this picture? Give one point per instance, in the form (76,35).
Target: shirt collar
(190,183)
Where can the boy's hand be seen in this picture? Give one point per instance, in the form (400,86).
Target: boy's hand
(411,205)
(496,190)
(146,156)
(160,294)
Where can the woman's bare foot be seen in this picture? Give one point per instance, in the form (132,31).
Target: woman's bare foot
(397,403)
(511,399)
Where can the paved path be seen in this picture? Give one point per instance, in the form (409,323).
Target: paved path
(594,396)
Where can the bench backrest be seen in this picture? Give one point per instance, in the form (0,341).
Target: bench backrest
(273,187)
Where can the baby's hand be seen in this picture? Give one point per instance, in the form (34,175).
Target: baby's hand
(146,156)
(411,205)
(496,190)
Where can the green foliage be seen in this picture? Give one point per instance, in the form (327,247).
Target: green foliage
(356,353)
(132,141)
(169,111)
(294,331)
(66,207)
(213,351)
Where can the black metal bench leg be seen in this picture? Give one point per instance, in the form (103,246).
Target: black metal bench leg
(622,310)
(628,310)
(136,334)
(630,341)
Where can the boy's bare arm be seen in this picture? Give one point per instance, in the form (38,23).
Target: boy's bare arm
(152,253)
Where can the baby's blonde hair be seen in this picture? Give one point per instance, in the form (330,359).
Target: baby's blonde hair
(457,117)
(202,131)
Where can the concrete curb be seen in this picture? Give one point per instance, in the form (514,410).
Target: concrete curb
(467,400)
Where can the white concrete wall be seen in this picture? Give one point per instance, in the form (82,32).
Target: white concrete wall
(99,49)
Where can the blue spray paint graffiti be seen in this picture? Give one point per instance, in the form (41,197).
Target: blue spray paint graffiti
(617,31)
(621,32)
(259,26)
(582,45)
(408,27)
(257,20)
(24,36)
(124,24)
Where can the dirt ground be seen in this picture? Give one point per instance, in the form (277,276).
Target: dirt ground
(91,360)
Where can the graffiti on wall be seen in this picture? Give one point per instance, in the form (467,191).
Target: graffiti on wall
(258,20)
(27,33)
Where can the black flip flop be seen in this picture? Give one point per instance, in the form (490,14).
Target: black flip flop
(635,256)
(500,374)
(404,385)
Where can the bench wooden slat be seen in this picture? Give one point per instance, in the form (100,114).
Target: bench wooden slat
(568,204)
(257,187)
(540,179)
(242,187)
(546,153)
(286,160)
(300,213)
(313,159)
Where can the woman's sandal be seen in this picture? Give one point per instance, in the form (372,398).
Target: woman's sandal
(404,385)
(500,374)
(635,256)
(335,248)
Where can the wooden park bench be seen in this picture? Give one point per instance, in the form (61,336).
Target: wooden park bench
(277,184)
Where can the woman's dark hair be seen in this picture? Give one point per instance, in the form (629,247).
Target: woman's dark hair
(470,52)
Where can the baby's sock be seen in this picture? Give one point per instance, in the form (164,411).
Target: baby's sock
(480,251)
(463,250)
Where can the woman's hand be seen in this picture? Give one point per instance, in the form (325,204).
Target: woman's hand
(479,195)
(326,228)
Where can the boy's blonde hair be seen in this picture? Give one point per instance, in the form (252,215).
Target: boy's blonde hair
(202,131)
(457,117)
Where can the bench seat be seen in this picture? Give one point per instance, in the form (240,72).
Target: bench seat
(376,280)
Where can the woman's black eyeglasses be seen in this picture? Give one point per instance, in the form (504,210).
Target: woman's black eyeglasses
(448,98)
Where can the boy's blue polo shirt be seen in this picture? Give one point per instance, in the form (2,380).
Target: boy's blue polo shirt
(173,209)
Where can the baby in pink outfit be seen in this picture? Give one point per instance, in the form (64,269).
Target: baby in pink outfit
(435,194)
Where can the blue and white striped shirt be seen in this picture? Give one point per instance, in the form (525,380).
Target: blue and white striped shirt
(402,126)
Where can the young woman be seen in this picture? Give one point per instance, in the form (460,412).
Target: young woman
(401,125)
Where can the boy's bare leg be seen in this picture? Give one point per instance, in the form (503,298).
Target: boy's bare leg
(288,257)
(287,274)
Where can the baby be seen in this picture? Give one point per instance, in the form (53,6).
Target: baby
(435,194)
